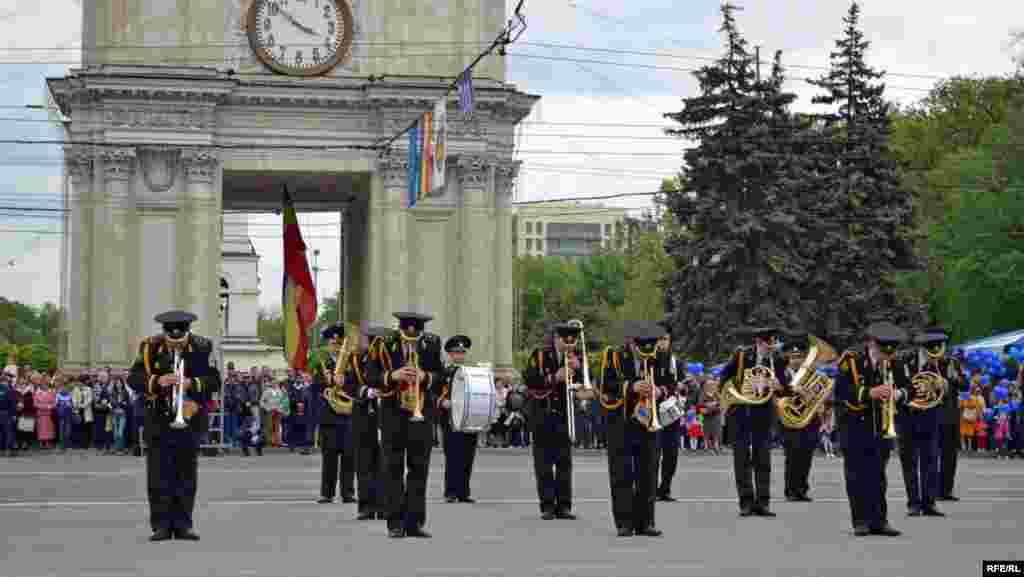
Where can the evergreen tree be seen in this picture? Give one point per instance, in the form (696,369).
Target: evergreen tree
(736,262)
(866,214)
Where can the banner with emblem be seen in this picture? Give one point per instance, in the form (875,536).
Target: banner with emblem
(440,145)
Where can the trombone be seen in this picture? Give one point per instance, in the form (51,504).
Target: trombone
(570,387)
(179,392)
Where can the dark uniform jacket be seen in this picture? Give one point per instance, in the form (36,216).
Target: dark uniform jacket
(853,387)
(322,380)
(745,358)
(157,359)
(543,390)
(386,355)
(619,369)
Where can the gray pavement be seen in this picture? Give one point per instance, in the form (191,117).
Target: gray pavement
(80,514)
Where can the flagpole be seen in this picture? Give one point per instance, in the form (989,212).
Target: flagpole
(504,39)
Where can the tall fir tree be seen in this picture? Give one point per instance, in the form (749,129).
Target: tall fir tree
(866,213)
(737,264)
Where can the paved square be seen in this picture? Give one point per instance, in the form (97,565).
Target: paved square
(86,515)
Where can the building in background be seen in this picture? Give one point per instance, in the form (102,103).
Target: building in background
(240,300)
(570,229)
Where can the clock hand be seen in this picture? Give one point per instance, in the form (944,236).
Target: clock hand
(296,23)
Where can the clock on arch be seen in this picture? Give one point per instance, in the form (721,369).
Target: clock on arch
(301,37)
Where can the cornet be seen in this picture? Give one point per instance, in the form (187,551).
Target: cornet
(889,405)
(179,392)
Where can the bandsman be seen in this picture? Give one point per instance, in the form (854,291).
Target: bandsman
(407,373)
(335,411)
(666,377)
(799,444)
(172,423)
(459,447)
(751,424)
(367,433)
(870,381)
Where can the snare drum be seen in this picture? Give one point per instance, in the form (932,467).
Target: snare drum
(474,399)
(669,411)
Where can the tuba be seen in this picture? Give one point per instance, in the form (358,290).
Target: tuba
(929,389)
(810,388)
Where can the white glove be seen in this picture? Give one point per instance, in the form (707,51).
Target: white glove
(446,404)
(371,394)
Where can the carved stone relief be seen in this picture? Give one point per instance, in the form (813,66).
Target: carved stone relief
(159,167)
(118,163)
(201,165)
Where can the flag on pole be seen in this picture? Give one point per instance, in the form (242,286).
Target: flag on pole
(427,153)
(465,85)
(414,164)
(440,144)
(298,299)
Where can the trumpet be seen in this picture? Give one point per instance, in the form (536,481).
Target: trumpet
(413,397)
(889,405)
(179,392)
(654,426)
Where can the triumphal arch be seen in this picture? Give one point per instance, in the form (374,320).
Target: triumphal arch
(184,110)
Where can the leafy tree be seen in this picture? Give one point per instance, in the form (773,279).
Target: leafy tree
(870,215)
(270,328)
(735,267)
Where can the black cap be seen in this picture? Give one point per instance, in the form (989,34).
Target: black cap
(763,332)
(932,335)
(458,344)
(568,330)
(417,320)
(666,324)
(176,318)
(377,331)
(332,332)
(886,333)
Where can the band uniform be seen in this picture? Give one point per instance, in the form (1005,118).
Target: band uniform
(367,433)
(407,365)
(338,464)
(864,414)
(547,417)
(798,444)
(670,436)
(919,427)
(949,420)
(459,447)
(632,441)
(172,453)
(751,425)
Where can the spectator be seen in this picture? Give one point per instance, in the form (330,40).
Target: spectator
(45,400)
(65,408)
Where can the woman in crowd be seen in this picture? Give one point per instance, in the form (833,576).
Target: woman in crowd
(45,400)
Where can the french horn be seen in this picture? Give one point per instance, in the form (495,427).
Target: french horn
(810,388)
(929,388)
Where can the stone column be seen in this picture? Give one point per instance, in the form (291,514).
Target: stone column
(113,282)
(200,253)
(476,248)
(504,295)
(79,165)
(388,233)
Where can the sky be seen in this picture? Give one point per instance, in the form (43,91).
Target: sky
(606,70)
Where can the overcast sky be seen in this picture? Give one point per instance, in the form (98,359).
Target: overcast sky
(564,154)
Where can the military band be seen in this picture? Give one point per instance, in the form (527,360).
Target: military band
(799,443)
(629,396)
(548,371)
(335,411)
(406,371)
(173,374)
(459,446)
(756,373)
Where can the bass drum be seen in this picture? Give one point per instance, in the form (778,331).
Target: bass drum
(669,411)
(474,399)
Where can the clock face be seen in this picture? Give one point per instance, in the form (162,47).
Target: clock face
(301,37)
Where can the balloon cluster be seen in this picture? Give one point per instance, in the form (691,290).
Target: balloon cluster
(695,368)
(990,362)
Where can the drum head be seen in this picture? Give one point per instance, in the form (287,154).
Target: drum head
(458,396)
(474,399)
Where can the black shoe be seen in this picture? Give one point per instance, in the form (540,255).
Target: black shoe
(186,535)
(325,500)
(348,499)
(548,515)
(886,531)
(450,499)
(245,452)
(932,512)
(364,516)
(396,533)
(949,498)
(667,498)
(650,531)
(565,515)
(763,512)
(466,500)
(259,452)
(382,516)
(417,532)
(802,498)
(160,535)
(913,512)
(625,532)
(746,511)
(861,531)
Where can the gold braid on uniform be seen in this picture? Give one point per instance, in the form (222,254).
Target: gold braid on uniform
(381,350)
(616,364)
(540,396)
(848,364)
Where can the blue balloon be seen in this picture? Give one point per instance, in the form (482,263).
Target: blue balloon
(964,396)
(699,367)
(985,379)
(988,413)
(1015,405)
(717,371)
